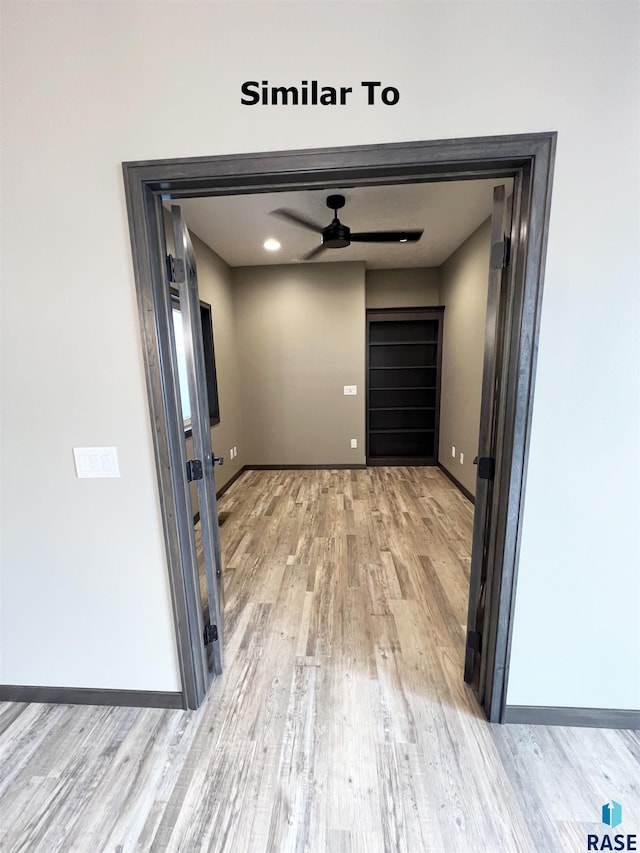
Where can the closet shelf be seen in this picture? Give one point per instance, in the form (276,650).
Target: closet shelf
(402,408)
(405,431)
(403,388)
(399,430)
(403,367)
(400,343)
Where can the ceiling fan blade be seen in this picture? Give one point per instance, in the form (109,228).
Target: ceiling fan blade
(386,237)
(295,219)
(313,252)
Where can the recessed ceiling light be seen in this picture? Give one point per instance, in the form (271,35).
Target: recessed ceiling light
(271,245)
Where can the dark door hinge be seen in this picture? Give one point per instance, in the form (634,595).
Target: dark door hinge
(175,269)
(474,641)
(499,259)
(210,634)
(486,468)
(194,470)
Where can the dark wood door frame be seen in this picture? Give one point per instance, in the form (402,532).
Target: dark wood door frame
(527,158)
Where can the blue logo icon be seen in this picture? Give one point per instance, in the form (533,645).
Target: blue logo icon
(612,814)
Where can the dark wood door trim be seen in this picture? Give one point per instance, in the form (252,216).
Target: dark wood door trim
(528,157)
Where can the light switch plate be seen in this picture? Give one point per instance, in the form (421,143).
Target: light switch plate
(96,462)
(350,390)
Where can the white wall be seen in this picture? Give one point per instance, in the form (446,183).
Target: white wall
(88,85)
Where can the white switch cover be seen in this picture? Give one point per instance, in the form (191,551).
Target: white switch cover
(235,452)
(453,452)
(354,442)
(96,462)
(462,458)
(350,390)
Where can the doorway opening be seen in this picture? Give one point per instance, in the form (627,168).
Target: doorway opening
(528,160)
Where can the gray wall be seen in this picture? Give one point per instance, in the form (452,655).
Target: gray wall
(404,288)
(463,292)
(301,339)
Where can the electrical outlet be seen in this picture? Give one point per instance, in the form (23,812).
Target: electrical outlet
(462,458)
(354,442)
(453,451)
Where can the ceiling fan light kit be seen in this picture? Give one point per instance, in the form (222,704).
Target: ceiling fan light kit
(339,236)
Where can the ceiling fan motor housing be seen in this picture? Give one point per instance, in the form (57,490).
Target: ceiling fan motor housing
(336,235)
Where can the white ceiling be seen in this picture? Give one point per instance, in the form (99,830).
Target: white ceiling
(236,226)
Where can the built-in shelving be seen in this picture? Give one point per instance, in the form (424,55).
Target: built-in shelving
(403,385)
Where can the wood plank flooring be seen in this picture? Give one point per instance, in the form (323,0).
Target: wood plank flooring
(341,722)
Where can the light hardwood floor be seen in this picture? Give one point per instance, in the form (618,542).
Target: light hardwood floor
(341,722)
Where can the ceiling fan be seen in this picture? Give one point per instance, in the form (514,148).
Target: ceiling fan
(336,235)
